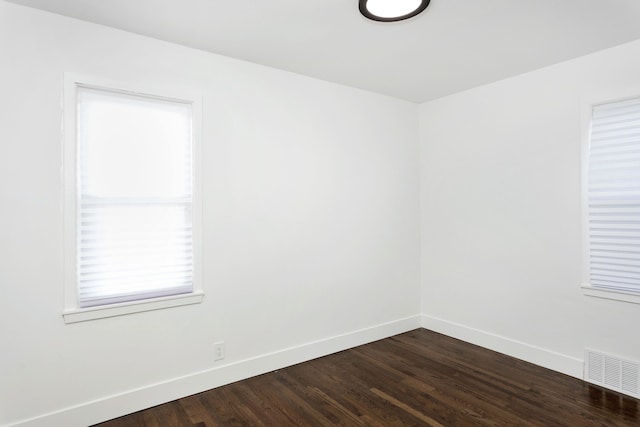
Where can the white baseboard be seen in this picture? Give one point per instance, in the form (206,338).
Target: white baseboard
(92,412)
(88,413)
(539,356)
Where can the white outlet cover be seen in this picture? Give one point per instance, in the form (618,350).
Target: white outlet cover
(218,350)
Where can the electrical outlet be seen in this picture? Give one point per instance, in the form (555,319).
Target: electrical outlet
(218,350)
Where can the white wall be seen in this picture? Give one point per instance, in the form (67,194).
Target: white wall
(311,225)
(501,214)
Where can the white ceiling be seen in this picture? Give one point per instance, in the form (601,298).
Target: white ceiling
(453,46)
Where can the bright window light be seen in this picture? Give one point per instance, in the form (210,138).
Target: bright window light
(613,197)
(134,223)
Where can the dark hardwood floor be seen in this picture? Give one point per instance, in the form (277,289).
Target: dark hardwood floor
(419,378)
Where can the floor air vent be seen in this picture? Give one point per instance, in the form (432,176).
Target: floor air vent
(612,372)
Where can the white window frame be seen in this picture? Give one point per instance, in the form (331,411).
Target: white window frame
(588,103)
(72,312)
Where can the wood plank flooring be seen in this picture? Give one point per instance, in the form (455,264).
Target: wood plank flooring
(419,378)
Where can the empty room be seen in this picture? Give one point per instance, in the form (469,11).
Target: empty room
(319,212)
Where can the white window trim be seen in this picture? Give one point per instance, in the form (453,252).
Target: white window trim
(588,103)
(71,311)
(592,291)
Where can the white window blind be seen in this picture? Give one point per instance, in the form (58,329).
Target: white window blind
(614,196)
(134,197)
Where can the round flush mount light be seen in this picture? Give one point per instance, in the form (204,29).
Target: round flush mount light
(392,10)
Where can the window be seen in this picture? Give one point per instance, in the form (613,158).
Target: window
(132,218)
(613,201)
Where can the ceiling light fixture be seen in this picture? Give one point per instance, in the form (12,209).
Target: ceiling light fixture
(392,10)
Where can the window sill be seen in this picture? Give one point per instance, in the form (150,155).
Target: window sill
(112,310)
(630,297)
